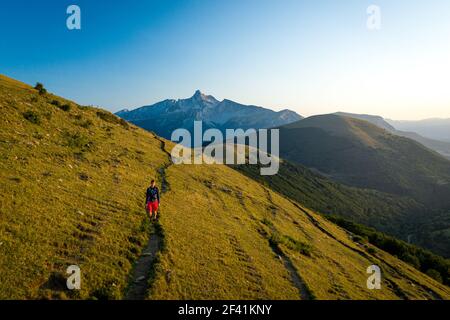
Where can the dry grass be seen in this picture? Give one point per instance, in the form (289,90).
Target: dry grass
(72,189)
(218,246)
(70,194)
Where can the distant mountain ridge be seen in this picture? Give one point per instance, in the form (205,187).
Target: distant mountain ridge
(359,153)
(437,129)
(166,116)
(440,146)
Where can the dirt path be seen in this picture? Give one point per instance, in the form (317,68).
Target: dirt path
(304,292)
(143,269)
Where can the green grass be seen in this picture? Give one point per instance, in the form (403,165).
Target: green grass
(71,194)
(278,240)
(343,205)
(219,245)
(74,195)
(399,216)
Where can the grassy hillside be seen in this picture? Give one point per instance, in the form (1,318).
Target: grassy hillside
(71,193)
(359,154)
(441,147)
(381,210)
(248,242)
(345,205)
(72,187)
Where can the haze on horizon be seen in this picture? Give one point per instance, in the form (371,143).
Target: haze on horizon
(311,57)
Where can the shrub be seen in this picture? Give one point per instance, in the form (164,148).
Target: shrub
(107,291)
(32,116)
(411,260)
(65,107)
(109,117)
(55,103)
(40,87)
(434,274)
(77,141)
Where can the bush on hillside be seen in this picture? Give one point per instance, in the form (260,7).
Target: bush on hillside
(65,107)
(111,118)
(40,87)
(32,116)
(77,141)
(435,275)
(62,106)
(56,103)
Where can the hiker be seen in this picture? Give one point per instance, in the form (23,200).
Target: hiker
(152,200)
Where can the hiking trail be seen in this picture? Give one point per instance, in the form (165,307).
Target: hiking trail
(143,271)
(296,279)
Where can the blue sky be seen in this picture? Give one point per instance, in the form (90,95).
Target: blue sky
(310,56)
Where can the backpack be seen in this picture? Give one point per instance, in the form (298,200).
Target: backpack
(152,194)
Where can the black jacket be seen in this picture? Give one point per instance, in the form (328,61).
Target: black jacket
(152,194)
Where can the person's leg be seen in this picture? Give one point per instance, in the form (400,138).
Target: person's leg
(149,210)
(155,207)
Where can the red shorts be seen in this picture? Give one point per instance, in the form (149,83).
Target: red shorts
(152,206)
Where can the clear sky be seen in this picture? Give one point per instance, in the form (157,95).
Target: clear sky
(313,57)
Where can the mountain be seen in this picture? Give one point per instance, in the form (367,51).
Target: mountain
(376,120)
(359,154)
(166,116)
(439,146)
(436,129)
(72,188)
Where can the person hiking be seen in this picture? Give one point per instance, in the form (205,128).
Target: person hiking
(152,200)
